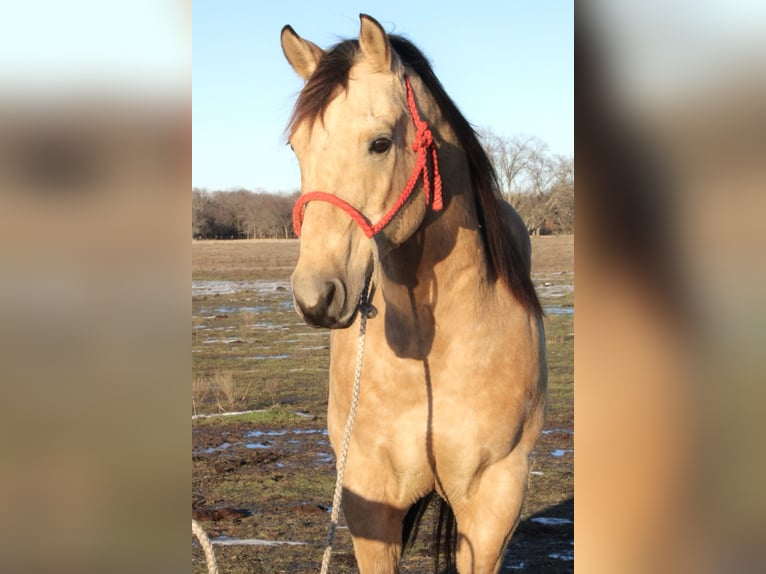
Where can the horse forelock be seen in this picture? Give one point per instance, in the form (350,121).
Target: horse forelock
(332,74)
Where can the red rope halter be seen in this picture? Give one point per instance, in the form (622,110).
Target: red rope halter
(423,146)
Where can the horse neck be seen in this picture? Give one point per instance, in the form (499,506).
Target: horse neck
(447,248)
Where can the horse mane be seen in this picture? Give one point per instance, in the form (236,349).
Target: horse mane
(504,256)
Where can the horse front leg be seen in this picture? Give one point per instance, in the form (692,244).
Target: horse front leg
(486,520)
(376,531)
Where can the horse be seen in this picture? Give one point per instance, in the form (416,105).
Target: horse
(399,197)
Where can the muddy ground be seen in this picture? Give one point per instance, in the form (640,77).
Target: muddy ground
(262,481)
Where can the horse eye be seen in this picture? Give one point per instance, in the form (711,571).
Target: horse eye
(380,145)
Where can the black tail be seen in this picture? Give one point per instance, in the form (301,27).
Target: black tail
(445,537)
(412,520)
(445,530)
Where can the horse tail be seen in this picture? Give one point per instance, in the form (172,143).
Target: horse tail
(445,537)
(445,530)
(412,520)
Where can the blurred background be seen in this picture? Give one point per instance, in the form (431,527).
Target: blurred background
(670,149)
(95,166)
(95,171)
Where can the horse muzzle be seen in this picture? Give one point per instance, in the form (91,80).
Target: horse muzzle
(322,303)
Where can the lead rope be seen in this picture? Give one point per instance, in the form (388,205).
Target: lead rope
(366,311)
(207,546)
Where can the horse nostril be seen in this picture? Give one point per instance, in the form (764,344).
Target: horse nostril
(329,294)
(321,303)
(334,300)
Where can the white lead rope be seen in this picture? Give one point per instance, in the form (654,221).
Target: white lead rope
(207,546)
(366,310)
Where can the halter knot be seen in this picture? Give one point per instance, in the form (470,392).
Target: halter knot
(423,138)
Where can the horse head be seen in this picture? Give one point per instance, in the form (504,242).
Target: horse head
(352,131)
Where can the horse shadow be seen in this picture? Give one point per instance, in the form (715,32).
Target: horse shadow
(543,542)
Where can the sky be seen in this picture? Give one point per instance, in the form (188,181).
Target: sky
(509,66)
(53,48)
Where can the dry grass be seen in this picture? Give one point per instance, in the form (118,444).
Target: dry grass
(246,321)
(553,254)
(200,390)
(224,390)
(227,392)
(244,259)
(222,386)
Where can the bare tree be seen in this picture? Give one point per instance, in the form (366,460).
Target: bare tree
(560,204)
(200,220)
(540,186)
(518,160)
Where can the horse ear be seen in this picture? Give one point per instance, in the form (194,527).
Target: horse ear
(374,43)
(302,54)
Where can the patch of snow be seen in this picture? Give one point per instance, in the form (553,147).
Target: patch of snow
(559,452)
(228,541)
(562,556)
(552,521)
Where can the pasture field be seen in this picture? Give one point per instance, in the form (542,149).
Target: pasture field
(269,474)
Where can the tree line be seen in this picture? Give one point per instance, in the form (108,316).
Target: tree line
(242,214)
(539,184)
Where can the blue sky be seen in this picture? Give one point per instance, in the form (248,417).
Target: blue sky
(508,66)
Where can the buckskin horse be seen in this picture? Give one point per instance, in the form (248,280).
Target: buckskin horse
(398,192)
